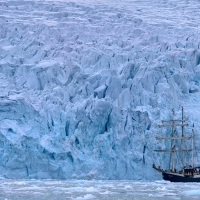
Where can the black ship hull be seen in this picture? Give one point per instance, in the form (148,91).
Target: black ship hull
(179,178)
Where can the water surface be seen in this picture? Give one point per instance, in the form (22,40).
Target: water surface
(104,190)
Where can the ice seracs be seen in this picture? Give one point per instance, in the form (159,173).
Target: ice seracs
(83,85)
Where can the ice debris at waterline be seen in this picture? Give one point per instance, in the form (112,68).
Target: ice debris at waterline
(97,190)
(83,85)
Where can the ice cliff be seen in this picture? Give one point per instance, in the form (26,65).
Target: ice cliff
(83,85)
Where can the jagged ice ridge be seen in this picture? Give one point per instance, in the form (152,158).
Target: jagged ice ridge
(83,85)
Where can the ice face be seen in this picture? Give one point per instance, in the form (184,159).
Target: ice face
(84,85)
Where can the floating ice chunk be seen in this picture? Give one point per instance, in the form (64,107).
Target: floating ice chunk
(87,196)
(192,192)
(128,187)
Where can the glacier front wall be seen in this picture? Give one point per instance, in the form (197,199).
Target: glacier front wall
(84,86)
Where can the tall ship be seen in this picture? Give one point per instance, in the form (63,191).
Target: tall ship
(180,145)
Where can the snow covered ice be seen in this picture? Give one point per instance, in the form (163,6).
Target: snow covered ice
(84,84)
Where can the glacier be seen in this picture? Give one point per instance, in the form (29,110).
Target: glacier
(84,85)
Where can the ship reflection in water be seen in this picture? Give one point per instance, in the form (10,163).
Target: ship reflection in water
(106,190)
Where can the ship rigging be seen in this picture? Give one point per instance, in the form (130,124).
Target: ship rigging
(187,172)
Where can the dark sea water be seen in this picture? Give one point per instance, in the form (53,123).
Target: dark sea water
(104,190)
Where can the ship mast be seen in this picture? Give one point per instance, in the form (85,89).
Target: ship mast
(193,147)
(182,142)
(172,143)
(175,123)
